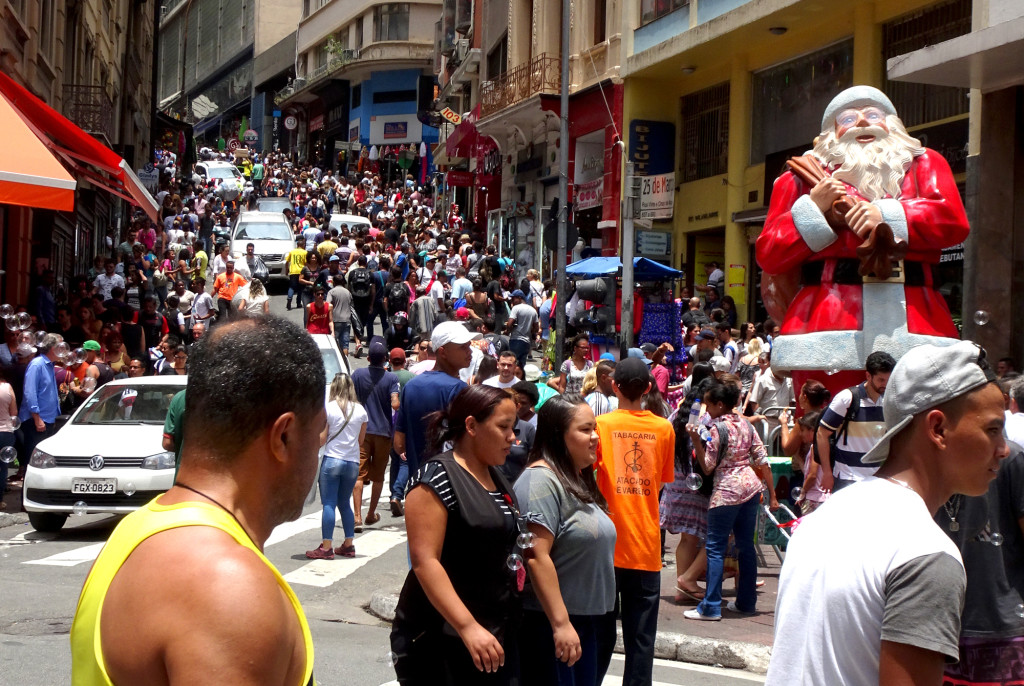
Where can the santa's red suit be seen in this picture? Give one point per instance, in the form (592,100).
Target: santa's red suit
(837,319)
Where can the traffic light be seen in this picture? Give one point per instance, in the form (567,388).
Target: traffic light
(600,318)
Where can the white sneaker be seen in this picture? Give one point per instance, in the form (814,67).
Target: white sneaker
(731,607)
(695,614)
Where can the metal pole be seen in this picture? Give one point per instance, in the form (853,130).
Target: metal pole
(155,77)
(563,194)
(628,244)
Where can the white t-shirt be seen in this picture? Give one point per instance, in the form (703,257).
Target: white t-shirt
(202,306)
(851,581)
(343,443)
(498,383)
(104,284)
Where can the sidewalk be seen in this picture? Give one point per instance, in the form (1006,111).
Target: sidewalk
(735,642)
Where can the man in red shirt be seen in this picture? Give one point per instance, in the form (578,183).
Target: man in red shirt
(226,285)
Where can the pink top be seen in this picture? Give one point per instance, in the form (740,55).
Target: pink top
(736,482)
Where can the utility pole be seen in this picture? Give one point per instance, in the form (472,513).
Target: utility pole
(563,194)
(628,244)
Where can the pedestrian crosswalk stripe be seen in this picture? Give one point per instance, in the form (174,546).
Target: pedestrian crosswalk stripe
(323,573)
(288,529)
(70,558)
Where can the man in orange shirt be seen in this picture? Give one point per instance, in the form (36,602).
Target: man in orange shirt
(225,286)
(636,455)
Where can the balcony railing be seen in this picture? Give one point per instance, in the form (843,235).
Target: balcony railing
(542,75)
(90,109)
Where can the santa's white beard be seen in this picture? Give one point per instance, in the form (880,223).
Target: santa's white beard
(875,169)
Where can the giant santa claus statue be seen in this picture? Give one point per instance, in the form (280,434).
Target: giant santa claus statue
(853,230)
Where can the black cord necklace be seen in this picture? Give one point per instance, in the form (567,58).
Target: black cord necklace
(232,514)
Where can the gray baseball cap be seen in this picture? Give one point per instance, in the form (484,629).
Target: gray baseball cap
(924,378)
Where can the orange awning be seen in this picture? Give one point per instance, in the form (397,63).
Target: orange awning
(85,155)
(30,175)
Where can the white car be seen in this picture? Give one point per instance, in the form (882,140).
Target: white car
(271,236)
(230,182)
(334,361)
(108,458)
(354,221)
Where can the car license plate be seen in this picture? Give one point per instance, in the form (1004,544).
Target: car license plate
(94,485)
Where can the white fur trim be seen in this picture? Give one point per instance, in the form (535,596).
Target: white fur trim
(811,224)
(885,329)
(895,216)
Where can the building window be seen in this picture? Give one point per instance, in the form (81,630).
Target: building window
(357,95)
(706,133)
(47,20)
(656,9)
(789,99)
(358,41)
(497,58)
(600,12)
(919,103)
(391,21)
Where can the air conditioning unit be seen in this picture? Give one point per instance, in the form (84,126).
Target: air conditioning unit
(299,82)
(461,49)
(349,54)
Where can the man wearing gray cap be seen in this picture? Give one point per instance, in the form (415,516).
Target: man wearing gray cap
(870,596)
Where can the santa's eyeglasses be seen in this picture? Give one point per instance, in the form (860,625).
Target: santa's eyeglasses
(872,115)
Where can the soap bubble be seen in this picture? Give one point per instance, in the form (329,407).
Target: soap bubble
(796,493)
(27,337)
(15,423)
(88,384)
(8,455)
(78,356)
(1019,610)
(129,489)
(389,659)
(996,539)
(514,562)
(693,481)
(525,540)
(40,335)
(25,350)
(981,317)
(24,320)
(80,508)
(6,311)
(11,322)
(62,350)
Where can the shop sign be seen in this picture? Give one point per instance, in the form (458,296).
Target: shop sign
(291,122)
(652,146)
(250,136)
(589,157)
(316,123)
(589,195)
(460,178)
(277,128)
(653,243)
(233,144)
(657,196)
(949,140)
(149,175)
(353,132)
(396,129)
(451,116)
(529,162)
(954,253)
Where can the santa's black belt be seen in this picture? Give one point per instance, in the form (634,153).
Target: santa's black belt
(846,273)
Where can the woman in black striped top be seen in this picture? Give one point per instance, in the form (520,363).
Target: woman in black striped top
(458,612)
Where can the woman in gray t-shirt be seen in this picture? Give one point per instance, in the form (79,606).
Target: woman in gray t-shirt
(569,620)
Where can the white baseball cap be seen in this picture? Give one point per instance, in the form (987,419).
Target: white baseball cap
(924,378)
(451,332)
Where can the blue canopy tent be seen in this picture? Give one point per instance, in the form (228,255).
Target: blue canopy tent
(643,269)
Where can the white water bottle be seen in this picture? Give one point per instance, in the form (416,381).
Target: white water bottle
(694,413)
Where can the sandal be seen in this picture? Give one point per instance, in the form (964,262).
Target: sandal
(359,526)
(372,519)
(689,594)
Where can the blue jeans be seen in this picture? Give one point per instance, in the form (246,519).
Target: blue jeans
(521,349)
(637,596)
(399,475)
(341,334)
(739,520)
(337,478)
(294,287)
(543,668)
(7,438)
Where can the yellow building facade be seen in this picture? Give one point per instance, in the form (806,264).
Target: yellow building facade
(745,83)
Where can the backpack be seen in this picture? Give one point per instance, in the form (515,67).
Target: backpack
(398,297)
(844,428)
(360,282)
(508,279)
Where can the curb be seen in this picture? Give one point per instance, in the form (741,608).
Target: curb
(750,657)
(12,518)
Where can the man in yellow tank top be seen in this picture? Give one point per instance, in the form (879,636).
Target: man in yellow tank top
(181,593)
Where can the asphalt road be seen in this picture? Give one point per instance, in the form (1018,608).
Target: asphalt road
(41,576)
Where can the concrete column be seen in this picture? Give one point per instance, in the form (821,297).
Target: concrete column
(737,248)
(867,47)
(994,246)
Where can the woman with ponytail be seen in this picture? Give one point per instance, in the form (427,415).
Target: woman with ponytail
(456,617)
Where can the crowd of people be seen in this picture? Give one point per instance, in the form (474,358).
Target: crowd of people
(537,497)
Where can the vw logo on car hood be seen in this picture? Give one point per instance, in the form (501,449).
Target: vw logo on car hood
(96,463)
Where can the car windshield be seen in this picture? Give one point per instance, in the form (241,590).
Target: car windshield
(332,363)
(336,223)
(273,204)
(143,404)
(260,231)
(224,173)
